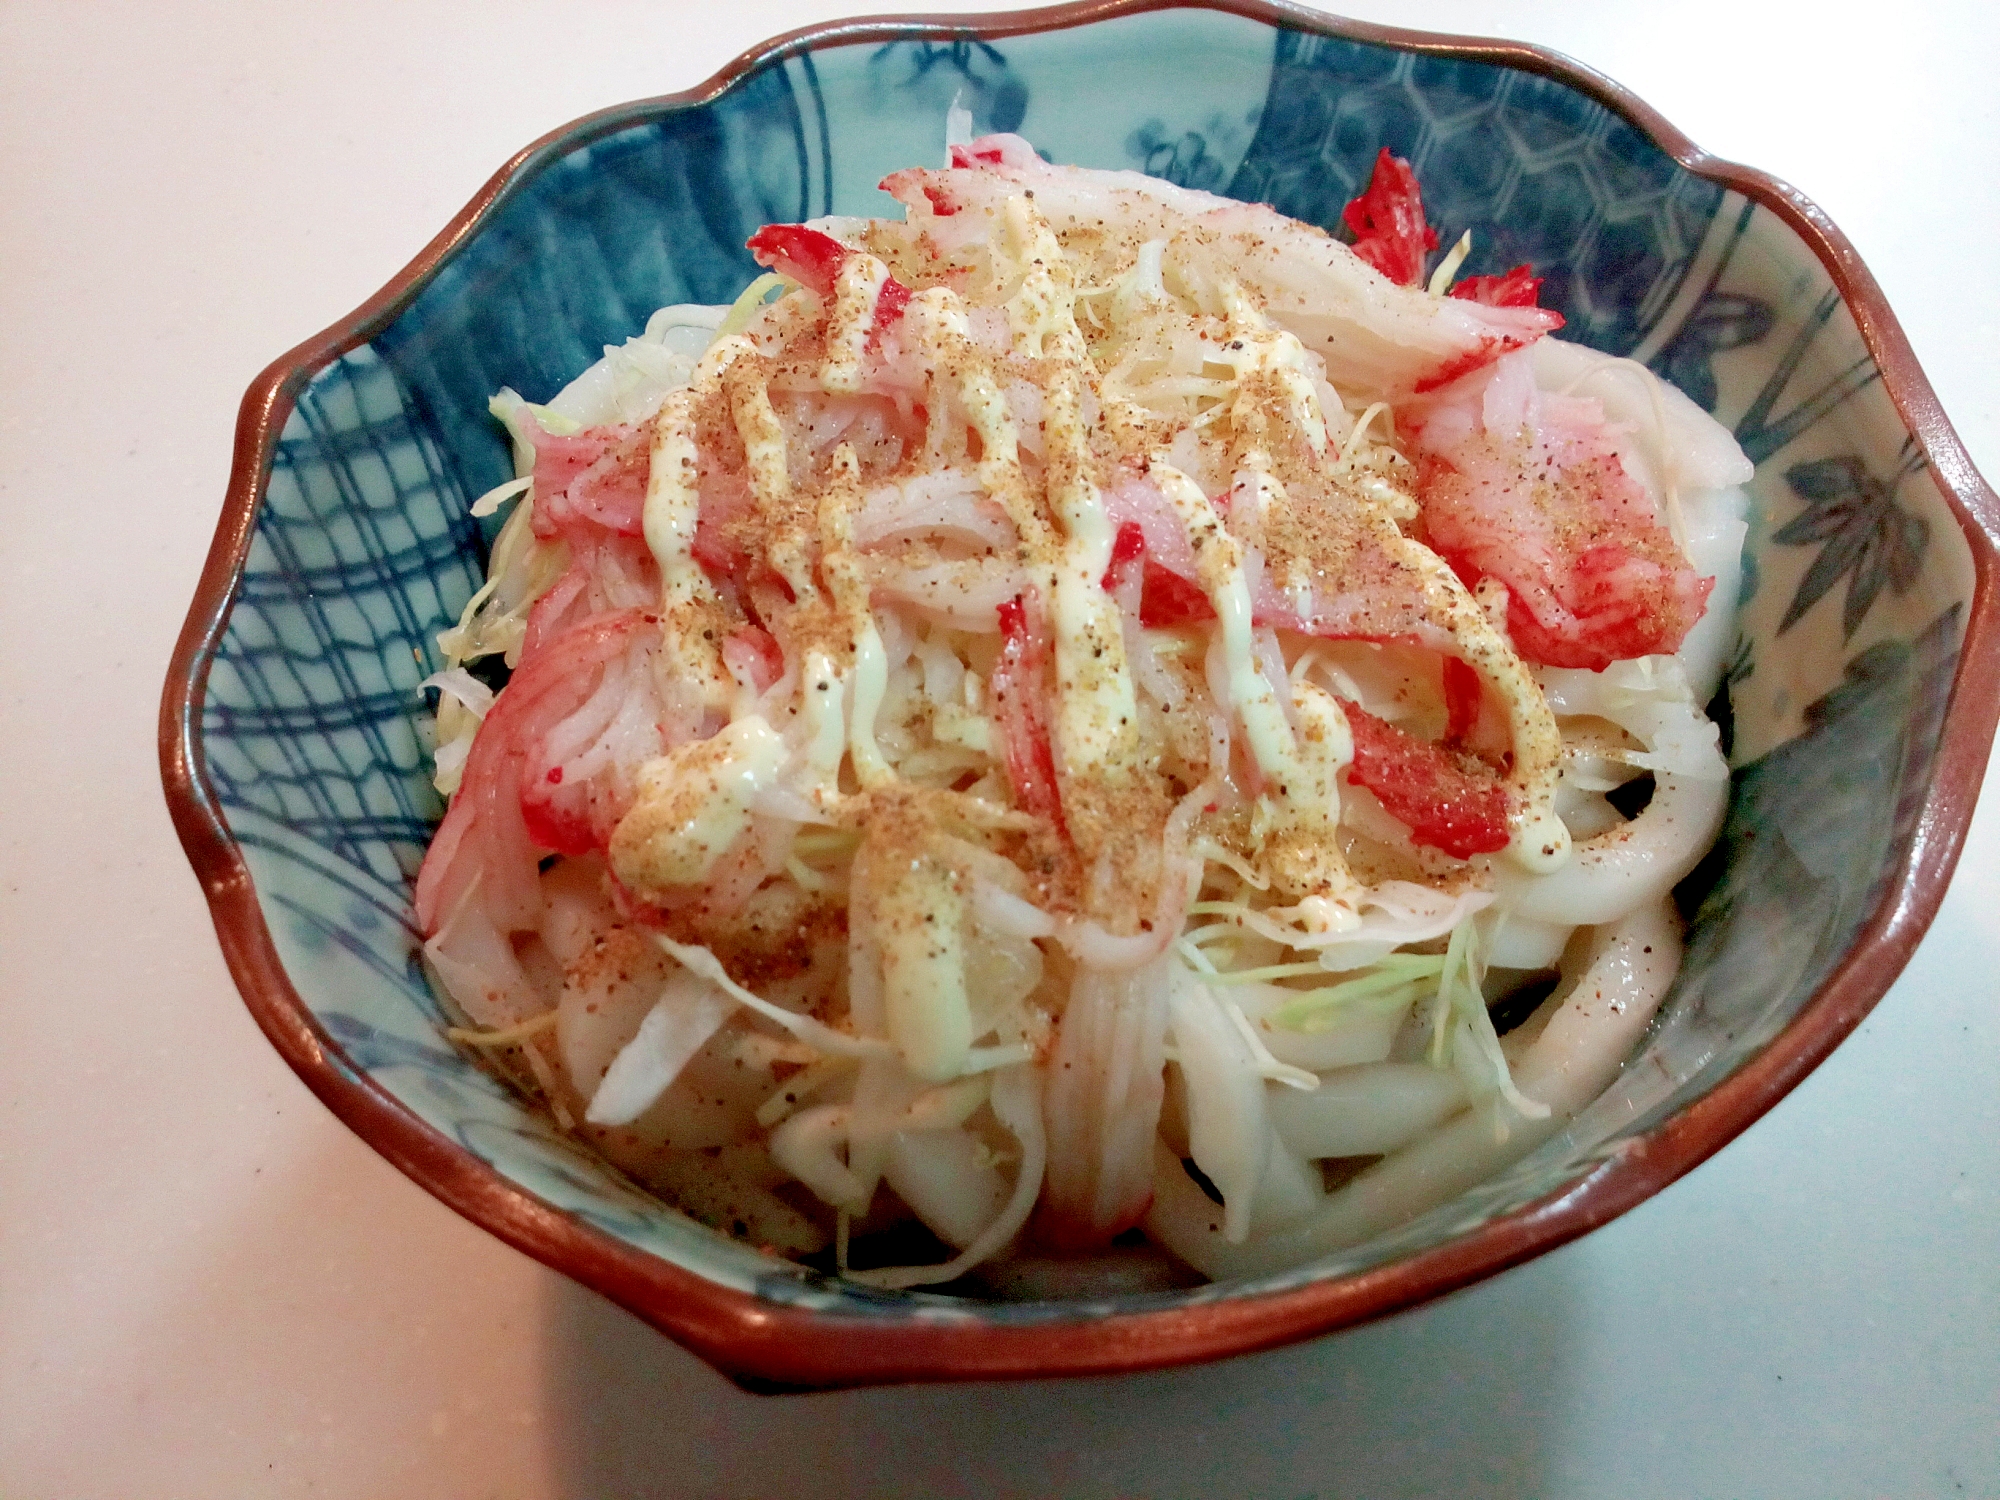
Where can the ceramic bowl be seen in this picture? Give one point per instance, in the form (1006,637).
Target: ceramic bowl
(1862,692)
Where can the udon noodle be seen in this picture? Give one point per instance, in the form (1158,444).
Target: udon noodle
(1101,736)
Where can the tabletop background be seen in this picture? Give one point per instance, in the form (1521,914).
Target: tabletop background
(208,1287)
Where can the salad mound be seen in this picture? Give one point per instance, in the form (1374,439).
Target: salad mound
(1053,748)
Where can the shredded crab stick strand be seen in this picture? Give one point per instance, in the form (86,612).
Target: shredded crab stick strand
(1375,336)
(1037,732)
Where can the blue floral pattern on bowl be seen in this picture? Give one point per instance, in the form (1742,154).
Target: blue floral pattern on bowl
(1857,578)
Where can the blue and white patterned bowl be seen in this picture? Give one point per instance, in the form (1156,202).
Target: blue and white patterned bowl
(1863,689)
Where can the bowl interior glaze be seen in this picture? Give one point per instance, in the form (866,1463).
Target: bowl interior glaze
(292,740)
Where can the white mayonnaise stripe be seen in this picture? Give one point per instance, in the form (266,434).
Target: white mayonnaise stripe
(849,588)
(1300,809)
(690,611)
(1095,704)
(1219,565)
(763,438)
(823,707)
(692,804)
(857,287)
(1537,839)
(1042,314)
(939,321)
(1097,707)
(1257,347)
(920,921)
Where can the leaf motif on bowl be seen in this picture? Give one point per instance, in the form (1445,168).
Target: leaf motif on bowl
(1764,428)
(1186,160)
(965,70)
(1721,322)
(1862,533)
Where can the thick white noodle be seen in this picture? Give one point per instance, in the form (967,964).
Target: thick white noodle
(1578,1053)
(1633,864)
(1357,1034)
(1017,1104)
(948,1179)
(1716,526)
(1368,1110)
(809,1145)
(1229,1132)
(1629,868)
(1007,913)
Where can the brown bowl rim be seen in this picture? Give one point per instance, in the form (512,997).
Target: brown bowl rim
(768,1346)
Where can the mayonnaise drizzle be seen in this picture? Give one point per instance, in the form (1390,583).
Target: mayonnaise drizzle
(691,614)
(920,920)
(849,590)
(1265,390)
(1096,703)
(1301,803)
(693,804)
(856,291)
